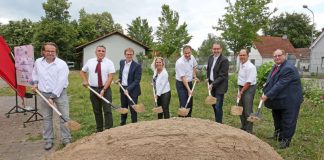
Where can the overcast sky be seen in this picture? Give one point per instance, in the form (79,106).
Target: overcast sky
(200,15)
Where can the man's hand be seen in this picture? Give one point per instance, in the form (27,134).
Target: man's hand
(126,92)
(117,81)
(85,84)
(50,100)
(190,93)
(210,87)
(102,92)
(196,79)
(264,98)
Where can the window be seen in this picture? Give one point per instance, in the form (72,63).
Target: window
(322,62)
(252,61)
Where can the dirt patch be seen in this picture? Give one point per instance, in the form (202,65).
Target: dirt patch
(176,138)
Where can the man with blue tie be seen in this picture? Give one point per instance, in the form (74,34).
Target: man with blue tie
(283,94)
(130,74)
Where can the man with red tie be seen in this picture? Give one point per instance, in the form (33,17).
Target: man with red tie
(283,94)
(100,74)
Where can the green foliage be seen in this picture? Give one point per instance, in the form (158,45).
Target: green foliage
(18,33)
(92,26)
(242,21)
(297,26)
(312,92)
(141,31)
(56,27)
(205,48)
(263,73)
(170,35)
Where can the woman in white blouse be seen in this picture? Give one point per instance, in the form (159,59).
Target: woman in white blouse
(162,87)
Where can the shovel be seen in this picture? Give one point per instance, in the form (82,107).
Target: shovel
(210,100)
(237,110)
(156,109)
(118,109)
(256,116)
(72,125)
(137,107)
(183,111)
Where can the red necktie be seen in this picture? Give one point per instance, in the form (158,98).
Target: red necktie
(98,71)
(274,70)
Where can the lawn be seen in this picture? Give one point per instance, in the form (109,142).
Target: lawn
(308,142)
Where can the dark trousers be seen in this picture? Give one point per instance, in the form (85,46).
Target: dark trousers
(183,96)
(126,103)
(164,101)
(285,121)
(246,102)
(218,107)
(100,106)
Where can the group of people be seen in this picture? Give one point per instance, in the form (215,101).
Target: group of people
(281,93)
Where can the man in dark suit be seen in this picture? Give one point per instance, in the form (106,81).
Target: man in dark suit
(283,94)
(217,75)
(130,74)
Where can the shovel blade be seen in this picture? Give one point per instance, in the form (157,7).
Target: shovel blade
(122,110)
(139,108)
(210,100)
(73,125)
(157,109)
(236,110)
(254,117)
(183,111)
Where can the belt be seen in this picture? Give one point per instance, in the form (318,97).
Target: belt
(93,87)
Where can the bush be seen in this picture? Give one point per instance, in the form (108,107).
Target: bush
(263,73)
(312,92)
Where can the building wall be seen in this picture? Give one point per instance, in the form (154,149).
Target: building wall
(317,57)
(115,46)
(256,57)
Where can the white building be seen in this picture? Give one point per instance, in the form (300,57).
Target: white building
(317,55)
(115,43)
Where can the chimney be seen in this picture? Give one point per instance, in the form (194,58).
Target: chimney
(284,36)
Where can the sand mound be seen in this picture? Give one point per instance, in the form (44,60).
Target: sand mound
(176,138)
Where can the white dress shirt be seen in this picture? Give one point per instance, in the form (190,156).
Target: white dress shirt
(211,76)
(107,67)
(125,73)
(247,73)
(162,82)
(184,67)
(51,77)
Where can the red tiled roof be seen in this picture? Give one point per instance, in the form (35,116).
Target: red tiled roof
(268,44)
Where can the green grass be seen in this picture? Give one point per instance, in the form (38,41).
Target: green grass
(308,142)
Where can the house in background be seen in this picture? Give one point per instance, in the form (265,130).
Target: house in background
(262,50)
(115,43)
(317,55)
(304,58)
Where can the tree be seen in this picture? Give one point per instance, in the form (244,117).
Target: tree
(205,48)
(56,27)
(170,35)
(296,26)
(141,31)
(18,33)
(242,22)
(92,26)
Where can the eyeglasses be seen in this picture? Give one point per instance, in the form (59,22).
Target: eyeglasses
(277,56)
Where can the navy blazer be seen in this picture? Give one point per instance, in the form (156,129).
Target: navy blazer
(220,73)
(134,78)
(283,89)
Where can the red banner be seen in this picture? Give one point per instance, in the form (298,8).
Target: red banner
(7,69)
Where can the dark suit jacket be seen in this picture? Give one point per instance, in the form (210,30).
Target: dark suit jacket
(220,83)
(134,78)
(283,89)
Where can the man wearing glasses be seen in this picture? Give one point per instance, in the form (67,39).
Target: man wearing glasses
(283,94)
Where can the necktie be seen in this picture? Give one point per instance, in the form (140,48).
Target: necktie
(274,70)
(98,71)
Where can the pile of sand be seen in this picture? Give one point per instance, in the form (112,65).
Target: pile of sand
(176,138)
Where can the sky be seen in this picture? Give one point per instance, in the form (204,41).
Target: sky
(200,15)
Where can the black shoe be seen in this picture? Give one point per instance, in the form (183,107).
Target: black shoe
(121,124)
(284,144)
(48,145)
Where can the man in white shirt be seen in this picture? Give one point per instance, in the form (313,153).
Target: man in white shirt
(101,71)
(185,73)
(246,83)
(50,77)
(130,74)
